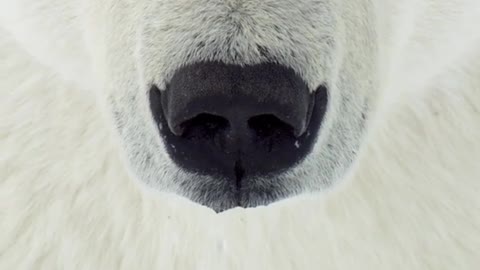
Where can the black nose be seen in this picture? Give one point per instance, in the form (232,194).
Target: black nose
(237,121)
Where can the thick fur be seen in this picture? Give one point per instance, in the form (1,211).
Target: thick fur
(410,199)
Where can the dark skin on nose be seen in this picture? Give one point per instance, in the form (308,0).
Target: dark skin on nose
(237,121)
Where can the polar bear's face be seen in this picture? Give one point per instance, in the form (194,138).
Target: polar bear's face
(239,103)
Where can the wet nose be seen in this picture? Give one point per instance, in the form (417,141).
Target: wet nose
(234,121)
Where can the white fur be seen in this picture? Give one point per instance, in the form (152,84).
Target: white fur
(410,201)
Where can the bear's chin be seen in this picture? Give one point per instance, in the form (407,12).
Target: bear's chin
(220,197)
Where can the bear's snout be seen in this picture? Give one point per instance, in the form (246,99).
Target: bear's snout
(234,122)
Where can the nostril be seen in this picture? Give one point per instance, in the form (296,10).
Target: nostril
(268,125)
(203,125)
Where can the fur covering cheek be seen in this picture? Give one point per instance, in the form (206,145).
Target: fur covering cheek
(35,26)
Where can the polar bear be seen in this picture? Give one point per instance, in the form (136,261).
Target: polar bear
(239,134)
